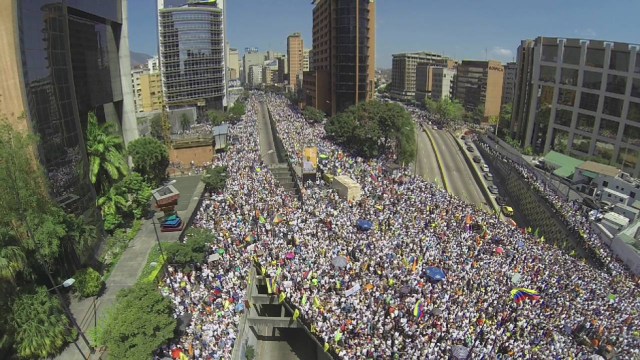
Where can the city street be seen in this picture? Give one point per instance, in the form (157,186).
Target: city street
(427,164)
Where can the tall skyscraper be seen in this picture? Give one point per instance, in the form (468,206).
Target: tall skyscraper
(580,97)
(509,85)
(344,44)
(295,56)
(192,39)
(60,60)
(403,72)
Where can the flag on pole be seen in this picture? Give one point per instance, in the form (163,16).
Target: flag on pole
(296,314)
(417,309)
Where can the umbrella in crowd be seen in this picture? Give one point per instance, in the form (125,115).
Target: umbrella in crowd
(435,274)
(499,250)
(290,256)
(364,225)
(459,352)
(516,278)
(340,262)
(213,257)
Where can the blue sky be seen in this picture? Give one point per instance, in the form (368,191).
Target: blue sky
(462,29)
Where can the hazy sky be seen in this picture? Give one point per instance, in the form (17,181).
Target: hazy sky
(462,29)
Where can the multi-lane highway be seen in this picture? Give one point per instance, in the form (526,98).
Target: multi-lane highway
(457,175)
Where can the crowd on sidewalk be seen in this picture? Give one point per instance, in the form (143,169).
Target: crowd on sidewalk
(382,302)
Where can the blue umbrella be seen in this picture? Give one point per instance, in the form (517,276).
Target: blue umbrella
(239,307)
(364,225)
(435,274)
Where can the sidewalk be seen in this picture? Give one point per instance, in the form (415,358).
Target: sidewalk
(126,272)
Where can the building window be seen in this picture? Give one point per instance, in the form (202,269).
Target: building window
(585,122)
(569,76)
(609,128)
(567,97)
(616,84)
(605,183)
(635,88)
(595,58)
(631,135)
(612,106)
(563,117)
(603,151)
(547,73)
(581,143)
(571,55)
(619,60)
(591,79)
(550,53)
(589,101)
(560,140)
(633,113)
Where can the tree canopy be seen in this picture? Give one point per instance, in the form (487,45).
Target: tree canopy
(216,178)
(374,128)
(150,158)
(446,109)
(236,112)
(40,325)
(138,324)
(313,115)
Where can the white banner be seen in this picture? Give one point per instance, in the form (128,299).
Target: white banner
(353,290)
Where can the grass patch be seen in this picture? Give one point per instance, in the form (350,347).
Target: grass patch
(149,273)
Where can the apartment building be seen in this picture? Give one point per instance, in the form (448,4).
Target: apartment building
(443,80)
(147,89)
(403,73)
(424,77)
(295,56)
(509,84)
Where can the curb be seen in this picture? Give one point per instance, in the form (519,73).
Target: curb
(435,150)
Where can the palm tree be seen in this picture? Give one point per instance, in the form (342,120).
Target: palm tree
(105,150)
(113,205)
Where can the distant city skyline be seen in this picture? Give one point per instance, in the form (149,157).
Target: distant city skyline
(466,29)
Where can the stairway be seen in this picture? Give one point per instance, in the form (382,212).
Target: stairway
(284,177)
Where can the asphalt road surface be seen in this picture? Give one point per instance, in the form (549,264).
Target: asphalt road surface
(460,181)
(427,165)
(267,146)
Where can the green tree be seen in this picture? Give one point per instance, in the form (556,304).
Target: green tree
(156,127)
(185,123)
(138,324)
(40,325)
(138,193)
(113,205)
(313,115)
(216,178)
(478,114)
(236,112)
(446,109)
(88,282)
(105,151)
(215,117)
(150,158)
(505,115)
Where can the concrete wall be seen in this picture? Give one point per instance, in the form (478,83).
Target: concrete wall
(129,122)
(628,255)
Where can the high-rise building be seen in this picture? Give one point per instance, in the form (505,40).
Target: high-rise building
(479,84)
(147,89)
(580,97)
(282,68)
(250,58)
(233,64)
(403,72)
(442,83)
(61,60)
(344,45)
(509,84)
(192,39)
(424,77)
(295,55)
(255,75)
(153,65)
(270,72)
(306,61)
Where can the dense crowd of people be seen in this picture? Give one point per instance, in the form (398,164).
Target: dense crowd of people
(369,294)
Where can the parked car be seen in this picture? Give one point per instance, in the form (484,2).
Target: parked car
(590,203)
(493,189)
(477,159)
(501,201)
(488,176)
(484,167)
(470,149)
(507,211)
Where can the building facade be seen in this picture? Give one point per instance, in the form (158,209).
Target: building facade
(61,60)
(509,83)
(147,90)
(295,56)
(255,75)
(580,97)
(306,61)
(249,59)
(192,38)
(403,73)
(479,84)
(443,80)
(424,77)
(233,64)
(343,61)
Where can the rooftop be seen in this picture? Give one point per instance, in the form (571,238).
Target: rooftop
(565,165)
(598,168)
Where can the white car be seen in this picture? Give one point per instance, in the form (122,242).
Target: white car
(484,167)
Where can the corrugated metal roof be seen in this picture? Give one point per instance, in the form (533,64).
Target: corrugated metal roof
(598,168)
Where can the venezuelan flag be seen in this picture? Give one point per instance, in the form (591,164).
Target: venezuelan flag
(519,295)
(277,219)
(417,310)
(250,238)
